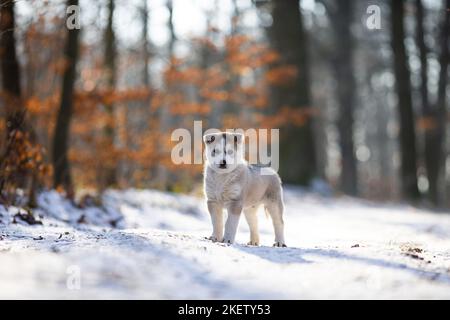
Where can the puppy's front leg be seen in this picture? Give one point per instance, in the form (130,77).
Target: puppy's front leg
(234,213)
(216,212)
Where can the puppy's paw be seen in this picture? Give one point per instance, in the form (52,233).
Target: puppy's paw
(214,239)
(253,243)
(227,241)
(279,244)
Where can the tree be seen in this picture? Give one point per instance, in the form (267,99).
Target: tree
(61,135)
(145,43)
(341,17)
(420,38)
(207,56)
(109,172)
(15,111)
(434,139)
(425,107)
(406,115)
(233,79)
(288,36)
(162,175)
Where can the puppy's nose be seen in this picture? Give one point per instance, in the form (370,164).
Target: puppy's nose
(223,163)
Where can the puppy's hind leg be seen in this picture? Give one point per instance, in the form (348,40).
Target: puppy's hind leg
(252,220)
(275,209)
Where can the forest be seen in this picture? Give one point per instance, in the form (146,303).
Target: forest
(353,95)
(91,91)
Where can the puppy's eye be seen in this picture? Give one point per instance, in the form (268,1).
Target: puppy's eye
(230,152)
(215,152)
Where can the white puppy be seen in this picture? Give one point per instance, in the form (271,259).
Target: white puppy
(231,183)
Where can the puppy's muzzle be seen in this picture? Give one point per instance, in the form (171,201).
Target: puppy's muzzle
(223,164)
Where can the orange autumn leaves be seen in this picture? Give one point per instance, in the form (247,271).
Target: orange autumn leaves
(21,158)
(240,73)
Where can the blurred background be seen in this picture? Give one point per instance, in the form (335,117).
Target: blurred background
(358,89)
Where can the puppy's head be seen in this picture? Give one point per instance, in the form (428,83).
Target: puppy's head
(224,151)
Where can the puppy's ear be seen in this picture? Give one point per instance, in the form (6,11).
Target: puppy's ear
(209,138)
(238,138)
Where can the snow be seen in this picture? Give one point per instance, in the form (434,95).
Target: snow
(147,244)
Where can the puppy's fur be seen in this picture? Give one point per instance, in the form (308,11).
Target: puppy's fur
(231,183)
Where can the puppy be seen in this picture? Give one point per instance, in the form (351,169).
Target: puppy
(231,183)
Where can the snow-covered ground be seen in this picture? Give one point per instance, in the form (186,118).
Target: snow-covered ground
(150,244)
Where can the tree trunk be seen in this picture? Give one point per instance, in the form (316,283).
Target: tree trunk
(162,174)
(14,108)
(207,57)
(230,107)
(62,176)
(15,111)
(170,26)
(341,18)
(297,145)
(426,154)
(406,114)
(420,38)
(435,136)
(109,176)
(145,44)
